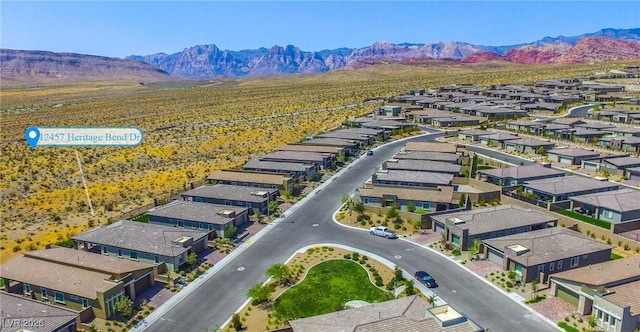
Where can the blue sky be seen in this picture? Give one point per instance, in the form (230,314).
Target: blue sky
(121,28)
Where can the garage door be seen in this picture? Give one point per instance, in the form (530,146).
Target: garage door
(567,295)
(439,228)
(495,256)
(590,167)
(635,177)
(565,160)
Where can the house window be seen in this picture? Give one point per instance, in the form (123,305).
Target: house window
(85,303)
(180,223)
(73,297)
(119,252)
(156,259)
(540,268)
(585,256)
(27,288)
(104,250)
(426,206)
(455,239)
(365,200)
(551,266)
(249,205)
(228,203)
(133,255)
(575,261)
(199,199)
(559,265)
(59,296)
(43,293)
(608,214)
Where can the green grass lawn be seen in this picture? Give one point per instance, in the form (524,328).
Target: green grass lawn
(567,327)
(141,218)
(592,221)
(326,288)
(615,256)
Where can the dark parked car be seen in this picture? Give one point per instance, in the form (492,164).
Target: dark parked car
(426,279)
(369,153)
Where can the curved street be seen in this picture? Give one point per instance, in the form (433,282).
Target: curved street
(222,293)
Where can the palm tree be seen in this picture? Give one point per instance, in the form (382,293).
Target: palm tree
(432,300)
(359,208)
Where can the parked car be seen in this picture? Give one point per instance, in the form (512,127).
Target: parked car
(369,153)
(426,279)
(383,231)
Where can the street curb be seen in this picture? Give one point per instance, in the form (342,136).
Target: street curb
(462,267)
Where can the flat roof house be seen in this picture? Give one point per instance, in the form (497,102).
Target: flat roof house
(18,312)
(571,156)
(201,216)
(497,139)
(538,254)
(364,139)
(633,173)
(147,243)
(339,151)
(472,135)
(349,146)
(435,156)
(430,147)
(528,145)
(621,143)
(579,286)
(422,166)
(255,199)
(407,314)
(562,188)
(437,199)
(77,280)
(513,176)
(303,171)
(618,165)
(461,228)
(521,125)
(321,160)
(411,179)
(253,179)
(619,308)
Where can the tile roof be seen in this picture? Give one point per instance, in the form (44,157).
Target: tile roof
(530,142)
(595,125)
(522,172)
(407,314)
(193,211)
(480,221)
(329,142)
(574,152)
(230,192)
(623,200)
(345,135)
(627,295)
(430,147)
(421,155)
(441,195)
(548,245)
(88,261)
(500,137)
(568,121)
(311,148)
(249,177)
(18,307)
(475,132)
(605,273)
(131,235)
(277,166)
(365,131)
(568,184)
(423,165)
(296,155)
(417,177)
(63,278)
(623,161)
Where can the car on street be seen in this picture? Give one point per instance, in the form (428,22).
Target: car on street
(369,153)
(383,231)
(426,279)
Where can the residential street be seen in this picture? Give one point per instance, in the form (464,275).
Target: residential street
(218,297)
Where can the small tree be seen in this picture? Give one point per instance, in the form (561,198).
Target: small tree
(358,207)
(411,207)
(260,293)
(474,166)
(534,289)
(259,217)
(462,202)
(280,272)
(392,213)
(236,322)
(192,258)
(541,150)
(230,231)
(397,271)
(432,300)
(124,306)
(409,290)
(274,206)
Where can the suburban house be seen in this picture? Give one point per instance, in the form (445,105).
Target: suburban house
(462,228)
(472,135)
(618,165)
(521,125)
(619,308)
(599,126)
(430,147)
(584,135)
(321,160)
(299,170)
(513,176)
(390,111)
(407,314)
(253,179)
(437,199)
(350,147)
(528,145)
(338,151)
(16,310)
(562,188)
(455,121)
(422,166)
(379,134)
(411,179)
(81,281)
(580,286)
(497,139)
(622,131)
(569,121)
(201,216)
(363,139)
(255,199)
(435,156)
(142,242)
(538,254)
(633,173)
(570,156)
(620,143)
(618,206)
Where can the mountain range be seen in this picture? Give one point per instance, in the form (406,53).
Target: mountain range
(206,61)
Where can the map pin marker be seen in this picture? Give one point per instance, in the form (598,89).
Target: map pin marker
(33,135)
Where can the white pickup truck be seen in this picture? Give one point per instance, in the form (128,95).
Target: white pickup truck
(383,231)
